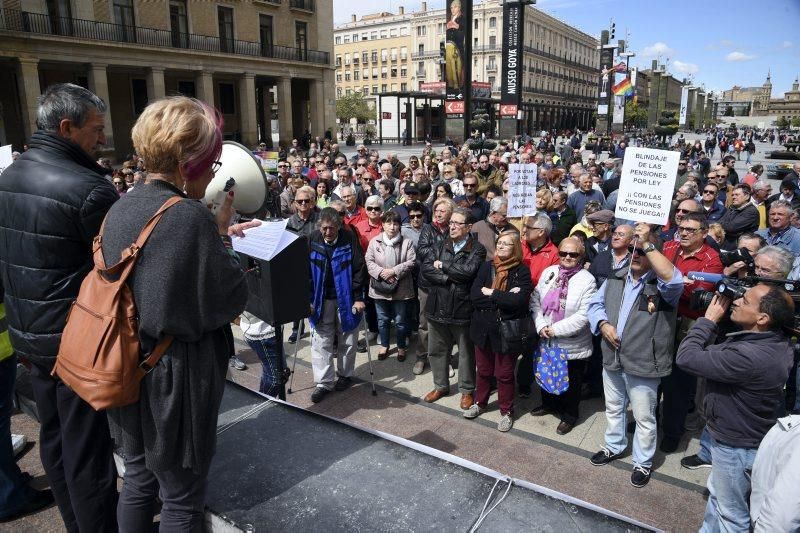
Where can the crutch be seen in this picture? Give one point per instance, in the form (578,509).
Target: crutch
(294,363)
(369,355)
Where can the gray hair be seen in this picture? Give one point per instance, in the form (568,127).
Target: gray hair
(783,257)
(337,204)
(331,216)
(66,101)
(692,188)
(374,200)
(781,203)
(759,185)
(542,221)
(497,203)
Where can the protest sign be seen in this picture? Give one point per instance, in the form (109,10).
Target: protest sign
(521,189)
(5,157)
(269,160)
(647,185)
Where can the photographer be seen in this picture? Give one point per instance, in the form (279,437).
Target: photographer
(745,377)
(744,266)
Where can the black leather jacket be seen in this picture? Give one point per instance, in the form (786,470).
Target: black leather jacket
(52,202)
(449,287)
(429,238)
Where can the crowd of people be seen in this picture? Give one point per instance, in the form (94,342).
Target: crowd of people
(568,300)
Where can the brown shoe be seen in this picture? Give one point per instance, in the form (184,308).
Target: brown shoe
(466,401)
(401,354)
(435,395)
(564,428)
(383,354)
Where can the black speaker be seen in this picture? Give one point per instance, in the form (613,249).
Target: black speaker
(280,289)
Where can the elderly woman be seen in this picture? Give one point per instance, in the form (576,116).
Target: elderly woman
(367,229)
(559,305)
(544,200)
(390,260)
(168,436)
(501,291)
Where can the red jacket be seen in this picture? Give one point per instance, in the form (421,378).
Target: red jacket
(537,261)
(357,217)
(706,259)
(367,232)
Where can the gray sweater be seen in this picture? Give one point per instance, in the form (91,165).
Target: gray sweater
(187,285)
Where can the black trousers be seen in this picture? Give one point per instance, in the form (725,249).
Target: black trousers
(566,404)
(679,391)
(76,451)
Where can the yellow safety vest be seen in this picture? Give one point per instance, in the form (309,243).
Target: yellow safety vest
(5,342)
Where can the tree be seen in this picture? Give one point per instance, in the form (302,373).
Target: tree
(728,111)
(667,126)
(782,123)
(354,106)
(635,116)
(796,122)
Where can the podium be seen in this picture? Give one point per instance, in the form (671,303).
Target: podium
(279,288)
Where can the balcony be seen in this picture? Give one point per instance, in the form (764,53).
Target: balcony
(305,5)
(487,48)
(492,67)
(425,55)
(22,21)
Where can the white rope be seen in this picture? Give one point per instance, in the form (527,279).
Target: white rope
(484,512)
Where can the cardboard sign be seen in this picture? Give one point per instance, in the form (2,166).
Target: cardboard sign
(522,189)
(5,157)
(647,185)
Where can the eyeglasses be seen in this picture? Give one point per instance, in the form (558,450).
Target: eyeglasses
(573,255)
(283,166)
(679,210)
(454,223)
(215,166)
(619,234)
(690,231)
(372,208)
(681,164)
(709,191)
(503,244)
(531,227)
(470,185)
(415,216)
(303,201)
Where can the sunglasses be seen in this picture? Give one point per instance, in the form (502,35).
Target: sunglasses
(637,251)
(573,255)
(303,202)
(684,211)
(415,216)
(709,191)
(372,208)
(690,231)
(469,185)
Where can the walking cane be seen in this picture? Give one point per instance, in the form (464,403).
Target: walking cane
(369,356)
(296,349)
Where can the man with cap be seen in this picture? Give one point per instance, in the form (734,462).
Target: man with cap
(601,223)
(411,195)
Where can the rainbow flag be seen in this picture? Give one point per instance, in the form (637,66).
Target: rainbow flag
(623,88)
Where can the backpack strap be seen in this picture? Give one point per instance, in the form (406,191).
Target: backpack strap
(152,360)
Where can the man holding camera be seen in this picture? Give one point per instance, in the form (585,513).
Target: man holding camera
(744,391)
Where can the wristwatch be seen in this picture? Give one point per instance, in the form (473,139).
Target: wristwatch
(649,247)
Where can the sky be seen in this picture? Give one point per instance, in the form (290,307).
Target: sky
(715,46)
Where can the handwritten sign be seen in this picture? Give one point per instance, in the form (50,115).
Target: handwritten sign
(521,189)
(5,157)
(647,185)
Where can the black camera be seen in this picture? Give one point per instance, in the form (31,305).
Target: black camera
(732,288)
(728,258)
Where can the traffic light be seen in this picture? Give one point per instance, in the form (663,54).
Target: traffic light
(613,30)
(441,48)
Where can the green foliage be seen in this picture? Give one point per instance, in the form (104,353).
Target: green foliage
(796,122)
(635,115)
(728,111)
(355,106)
(480,122)
(667,124)
(782,122)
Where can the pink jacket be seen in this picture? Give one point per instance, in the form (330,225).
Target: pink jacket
(376,261)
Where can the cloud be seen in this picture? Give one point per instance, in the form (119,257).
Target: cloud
(726,42)
(685,68)
(657,49)
(786,44)
(739,56)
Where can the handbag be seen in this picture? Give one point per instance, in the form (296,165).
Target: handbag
(381,286)
(552,373)
(514,333)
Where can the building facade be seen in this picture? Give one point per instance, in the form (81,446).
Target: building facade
(372,55)
(265,64)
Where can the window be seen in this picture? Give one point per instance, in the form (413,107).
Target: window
(365,57)
(301,39)
(384,34)
(355,37)
(177,23)
(492,22)
(364,36)
(365,73)
(403,31)
(403,87)
(374,89)
(227,99)
(476,24)
(356,75)
(338,92)
(346,39)
(337,39)
(440,28)
(491,64)
(374,73)
(491,82)
(347,76)
(393,32)
(139,92)
(266,34)
(421,31)
(347,59)
(365,90)
(403,53)
(421,48)
(123,16)
(186,88)
(383,88)
(338,61)
(420,67)
(393,54)
(403,71)
(394,87)
(355,58)
(383,72)
(393,72)
(374,56)
(225,20)
(338,77)
(492,41)
(384,55)
(373,35)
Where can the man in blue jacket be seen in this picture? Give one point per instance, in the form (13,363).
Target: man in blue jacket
(745,376)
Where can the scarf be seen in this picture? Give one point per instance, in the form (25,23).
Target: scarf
(392,258)
(555,301)
(501,268)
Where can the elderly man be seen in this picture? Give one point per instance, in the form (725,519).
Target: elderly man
(630,312)
(780,231)
(584,194)
(761,192)
(713,208)
(53,200)
(684,208)
(450,268)
(487,174)
(487,230)
(563,217)
(601,224)
(690,253)
(288,206)
(338,277)
(745,376)
(741,216)
(471,200)
(354,213)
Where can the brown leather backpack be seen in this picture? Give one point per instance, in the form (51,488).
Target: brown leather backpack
(99,357)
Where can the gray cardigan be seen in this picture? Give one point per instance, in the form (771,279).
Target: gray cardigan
(187,285)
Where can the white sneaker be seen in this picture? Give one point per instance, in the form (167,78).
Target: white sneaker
(18,443)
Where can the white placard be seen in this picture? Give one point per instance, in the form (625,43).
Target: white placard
(522,189)
(684,105)
(264,241)
(647,185)
(5,157)
(602,109)
(619,110)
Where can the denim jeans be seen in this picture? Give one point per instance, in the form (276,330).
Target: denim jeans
(642,393)
(704,453)
(729,489)
(270,352)
(389,310)
(13,491)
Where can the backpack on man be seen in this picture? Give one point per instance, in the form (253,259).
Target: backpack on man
(100,355)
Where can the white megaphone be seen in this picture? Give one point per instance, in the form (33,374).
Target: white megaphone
(241,172)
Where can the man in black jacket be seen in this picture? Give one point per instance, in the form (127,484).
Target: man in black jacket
(744,391)
(741,217)
(52,202)
(449,269)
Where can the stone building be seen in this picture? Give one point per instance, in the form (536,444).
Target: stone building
(265,64)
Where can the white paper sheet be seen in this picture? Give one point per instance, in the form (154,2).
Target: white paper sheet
(264,241)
